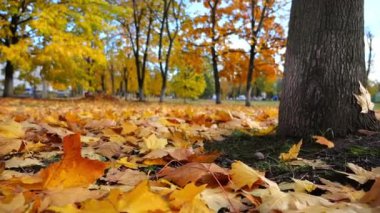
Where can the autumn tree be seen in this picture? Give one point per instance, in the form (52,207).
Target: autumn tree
(139,31)
(169,29)
(55,36)
(264,35)
(211,31)
(14,38)
(324,66)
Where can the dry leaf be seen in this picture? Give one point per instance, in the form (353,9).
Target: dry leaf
(193,172)
(360,175)
(219,198)
(153,143)
(292,153)
(186,195)
(243,175)
(141,199)
(11,129)
(322,140)
(372,197)
(128,177)
(364,99)
(73,170)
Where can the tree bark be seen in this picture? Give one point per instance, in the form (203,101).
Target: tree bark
(324,63)
(8,80)
(213,52)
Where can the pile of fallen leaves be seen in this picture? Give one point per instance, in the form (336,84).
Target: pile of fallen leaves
(106,156)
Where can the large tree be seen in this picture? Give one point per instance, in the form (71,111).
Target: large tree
(323,66)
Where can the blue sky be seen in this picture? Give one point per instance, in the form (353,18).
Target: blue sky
(372,23)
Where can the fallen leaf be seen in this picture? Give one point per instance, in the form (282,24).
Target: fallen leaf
(127,163)
(277,200)
(364,99)
(62,197)
(153,143)
(141,199)
(322,140)
(11,129)
(15,205)
(303,185)
(73,170)
(19,162)
(292,153)
(219,198)
(128,127)
(243,175)
(186,195)
(193,172)
(8,145)
(360,175)
(372,197)
(128,177)
(196,205)
(339,192)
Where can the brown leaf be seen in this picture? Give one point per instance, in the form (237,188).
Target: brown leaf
(201,173)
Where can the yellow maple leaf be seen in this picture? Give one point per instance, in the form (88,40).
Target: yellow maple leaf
(153,143)
(292,153)
(128,127)
(324,141)
(73,170)
(243,175)
(186,195)
(303,185)
(141,199)
(196,205)
(125,162)
(11,129)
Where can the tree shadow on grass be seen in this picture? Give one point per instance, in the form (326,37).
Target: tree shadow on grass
(262,153)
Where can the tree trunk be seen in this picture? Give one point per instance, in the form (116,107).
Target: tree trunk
(8,80)
(141,92)
(45,92)
(216,75)
(103,82)
(248,90)
(125,77)
(163,90)
(324,63)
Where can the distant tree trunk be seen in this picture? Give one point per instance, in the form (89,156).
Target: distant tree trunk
(163,90)
(125,79)
(370,56)
(44,88)
(8,80)
(252,52)
(324,63)
(214,55)
(103,82)
(112,76)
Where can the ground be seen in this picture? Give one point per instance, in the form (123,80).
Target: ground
(359,149)
(159,150)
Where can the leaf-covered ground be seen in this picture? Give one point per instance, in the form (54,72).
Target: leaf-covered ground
(111,156)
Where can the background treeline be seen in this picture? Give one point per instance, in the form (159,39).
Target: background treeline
(177,48)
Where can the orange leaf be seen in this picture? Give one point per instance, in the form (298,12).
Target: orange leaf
(322,140)
(73,170)
(373,195)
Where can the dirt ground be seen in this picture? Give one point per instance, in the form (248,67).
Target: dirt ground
(262,153)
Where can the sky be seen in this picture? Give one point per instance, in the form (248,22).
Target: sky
(372,24)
